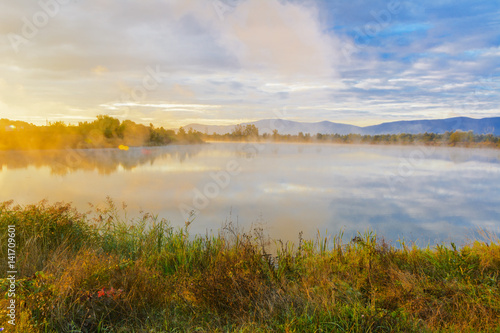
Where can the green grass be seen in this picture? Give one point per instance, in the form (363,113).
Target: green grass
(98,272)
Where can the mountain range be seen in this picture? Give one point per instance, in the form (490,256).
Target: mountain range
(438,126)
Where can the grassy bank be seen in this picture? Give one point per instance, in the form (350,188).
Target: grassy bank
(95,273)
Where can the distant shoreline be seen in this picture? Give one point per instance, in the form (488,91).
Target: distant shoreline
(461,141)
(472,145)
(108,132)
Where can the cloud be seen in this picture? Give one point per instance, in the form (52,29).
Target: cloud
(250,57)
(183,91)
(99,70)
(282,37)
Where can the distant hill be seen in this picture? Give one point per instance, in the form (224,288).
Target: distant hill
(283,127)
(210,129)
(478,126)
(294,127)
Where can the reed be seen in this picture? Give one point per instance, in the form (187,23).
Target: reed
(103,272)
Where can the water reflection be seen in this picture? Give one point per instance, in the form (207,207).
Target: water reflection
(104,161)
(422,194)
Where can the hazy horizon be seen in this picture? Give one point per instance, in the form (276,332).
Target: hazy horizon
(346,123)
(256,120)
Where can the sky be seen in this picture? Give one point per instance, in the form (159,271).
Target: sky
(176,62)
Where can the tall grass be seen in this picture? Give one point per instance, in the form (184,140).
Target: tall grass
(101,272)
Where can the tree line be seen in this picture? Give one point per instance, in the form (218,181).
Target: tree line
(104,132)
(456,138)
(109,132)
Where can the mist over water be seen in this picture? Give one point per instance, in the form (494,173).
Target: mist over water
(422,194)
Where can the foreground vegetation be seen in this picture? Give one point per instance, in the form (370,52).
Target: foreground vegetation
(97,272)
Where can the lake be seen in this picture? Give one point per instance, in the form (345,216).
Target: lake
(421,194)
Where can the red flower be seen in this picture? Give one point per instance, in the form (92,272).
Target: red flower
(101,293)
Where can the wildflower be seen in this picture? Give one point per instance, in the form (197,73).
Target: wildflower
(101,293)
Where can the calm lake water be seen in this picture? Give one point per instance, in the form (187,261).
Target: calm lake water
(421,194)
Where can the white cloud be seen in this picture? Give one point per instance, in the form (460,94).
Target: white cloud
(240,64)
(282,37)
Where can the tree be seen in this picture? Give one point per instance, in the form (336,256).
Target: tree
(107,125)
(237,131)
(275,134)
(457,136)
(251,130)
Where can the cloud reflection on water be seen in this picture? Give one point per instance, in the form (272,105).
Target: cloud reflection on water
(288,187)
